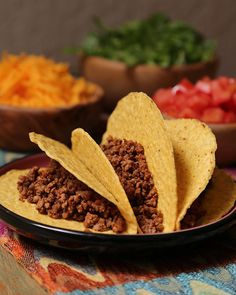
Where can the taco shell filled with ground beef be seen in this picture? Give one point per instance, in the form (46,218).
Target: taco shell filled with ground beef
(66,194)
(205,193)
(139,148)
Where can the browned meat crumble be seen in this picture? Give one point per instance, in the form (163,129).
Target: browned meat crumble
(128,159)
(57,193)
(195,212)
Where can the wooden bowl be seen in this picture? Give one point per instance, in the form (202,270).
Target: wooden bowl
(57,123)
(117,79)
(226,143)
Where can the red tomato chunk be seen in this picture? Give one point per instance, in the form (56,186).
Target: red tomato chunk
(211,101)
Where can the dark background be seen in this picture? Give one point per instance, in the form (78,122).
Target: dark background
(48,26)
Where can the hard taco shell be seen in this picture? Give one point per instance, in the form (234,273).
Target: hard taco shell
(219,198)
(137,118)
(194,150)
(88,152)
(72,164)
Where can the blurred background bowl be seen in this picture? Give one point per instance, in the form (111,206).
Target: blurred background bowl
(57,123)
(226,143)
(118,80)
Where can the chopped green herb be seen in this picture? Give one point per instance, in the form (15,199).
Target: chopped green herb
(155,40)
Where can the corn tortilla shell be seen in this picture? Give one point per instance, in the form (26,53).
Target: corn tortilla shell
(90,154)
(219,198)
(9,198)
(60,153)
(194,149)
(137,118)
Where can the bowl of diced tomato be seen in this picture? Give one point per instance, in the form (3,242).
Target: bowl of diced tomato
(212,101)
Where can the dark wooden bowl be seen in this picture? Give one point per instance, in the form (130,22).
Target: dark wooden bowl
(226,143)
(57,123)
(117,79)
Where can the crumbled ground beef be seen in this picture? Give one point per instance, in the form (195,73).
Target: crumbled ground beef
(59,194)
(128,159)
(194,213)
(192,216)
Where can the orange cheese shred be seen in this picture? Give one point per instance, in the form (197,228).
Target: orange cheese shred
(39,82)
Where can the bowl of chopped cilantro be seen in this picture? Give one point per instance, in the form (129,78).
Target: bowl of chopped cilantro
(144,55)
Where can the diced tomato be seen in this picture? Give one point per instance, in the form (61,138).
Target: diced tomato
(232,87)
(206,79)
(183,87)
(223,82)
(203,86)
(163,97)
(188,113)
(230,105)
(180,100)
(192,92)
(230,117)
(234,100)
(213,101)
(213,115)
(229,85)
(219,95)
(186,84)
(172,111)
(199,102)
(178,89)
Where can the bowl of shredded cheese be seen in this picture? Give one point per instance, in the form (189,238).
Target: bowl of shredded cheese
(39,94)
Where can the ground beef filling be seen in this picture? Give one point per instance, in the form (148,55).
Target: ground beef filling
(128,159)
(59,194)
(192,216)
(194,213)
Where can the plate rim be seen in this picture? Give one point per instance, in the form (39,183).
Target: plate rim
(230,218)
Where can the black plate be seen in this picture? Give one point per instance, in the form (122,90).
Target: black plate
(92,242)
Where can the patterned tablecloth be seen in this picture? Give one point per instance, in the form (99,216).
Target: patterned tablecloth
(208,267)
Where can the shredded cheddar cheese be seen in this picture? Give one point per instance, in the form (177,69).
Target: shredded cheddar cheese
(39,82)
